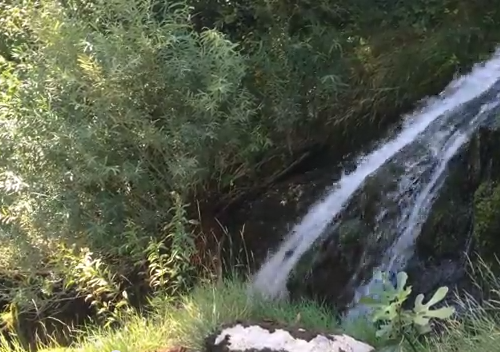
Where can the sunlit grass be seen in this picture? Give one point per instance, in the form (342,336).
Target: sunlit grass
(188,322)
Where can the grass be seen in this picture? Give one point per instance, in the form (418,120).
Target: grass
(187,322)
(168,325)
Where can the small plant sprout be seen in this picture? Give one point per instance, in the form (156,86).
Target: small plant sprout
(387,302)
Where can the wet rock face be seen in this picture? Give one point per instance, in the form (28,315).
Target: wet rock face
(265,221)
(465,217)
(267,337)
(346,254)
(446,231)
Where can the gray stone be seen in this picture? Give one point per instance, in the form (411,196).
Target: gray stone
(269,337)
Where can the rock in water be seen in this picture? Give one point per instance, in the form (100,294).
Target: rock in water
(264,337)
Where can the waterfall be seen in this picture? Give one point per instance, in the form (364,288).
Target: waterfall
(427,141)
(414,216)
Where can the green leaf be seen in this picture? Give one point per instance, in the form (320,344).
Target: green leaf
(367,300)
(418,302)
(388,309)
(421,320)
(384,330)
(402,278)
(439,295)
(424,329)
(441,313)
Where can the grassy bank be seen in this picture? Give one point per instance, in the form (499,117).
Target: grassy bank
(116,115)
(185,323)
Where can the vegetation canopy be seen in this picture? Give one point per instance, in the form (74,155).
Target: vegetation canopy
(119,117)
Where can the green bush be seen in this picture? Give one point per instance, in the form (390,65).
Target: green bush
(112,119)
(109,120)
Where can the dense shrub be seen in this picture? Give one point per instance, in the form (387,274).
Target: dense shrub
(112,118)
(109,119)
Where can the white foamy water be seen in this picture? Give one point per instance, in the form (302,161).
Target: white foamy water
(396,257)
(271,279)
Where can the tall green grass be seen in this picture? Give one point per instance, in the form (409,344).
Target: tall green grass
(187,322)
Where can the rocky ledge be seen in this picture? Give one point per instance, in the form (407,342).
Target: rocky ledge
(272,337)
(463,222)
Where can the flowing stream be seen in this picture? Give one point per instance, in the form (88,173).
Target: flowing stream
(429,138)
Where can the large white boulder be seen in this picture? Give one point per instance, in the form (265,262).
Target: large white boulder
(265,337)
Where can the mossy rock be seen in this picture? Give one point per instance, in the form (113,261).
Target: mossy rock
(487,221)
(445,231)
(461,207)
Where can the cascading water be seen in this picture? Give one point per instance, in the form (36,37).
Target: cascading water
(413,217)
(422,149)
